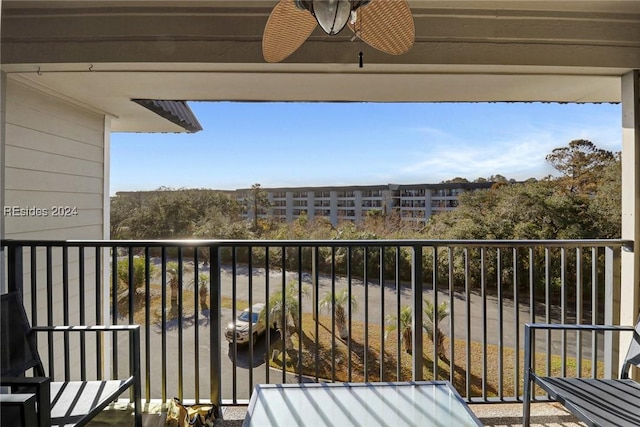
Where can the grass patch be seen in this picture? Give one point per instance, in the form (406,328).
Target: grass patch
(227,302)
(322,359)
(188,305)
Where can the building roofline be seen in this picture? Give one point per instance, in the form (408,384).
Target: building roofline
(177,112)
(465,185)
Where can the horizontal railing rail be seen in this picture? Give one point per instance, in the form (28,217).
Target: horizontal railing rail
(336,310)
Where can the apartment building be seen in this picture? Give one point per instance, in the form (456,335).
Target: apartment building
(413,202)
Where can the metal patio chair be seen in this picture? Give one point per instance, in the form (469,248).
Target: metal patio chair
(596,402)
(66,403)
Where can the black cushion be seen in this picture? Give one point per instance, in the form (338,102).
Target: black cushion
(17,343)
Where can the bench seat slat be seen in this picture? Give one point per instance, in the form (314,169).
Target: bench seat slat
(607,402)
(73,400)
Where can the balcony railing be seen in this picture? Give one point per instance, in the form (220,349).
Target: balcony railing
(184,293)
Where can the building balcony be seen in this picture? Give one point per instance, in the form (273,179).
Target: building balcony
(186,295)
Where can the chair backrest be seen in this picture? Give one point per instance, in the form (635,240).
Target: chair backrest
(18,348)
(633,354)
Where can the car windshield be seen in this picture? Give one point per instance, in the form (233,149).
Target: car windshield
(244,316)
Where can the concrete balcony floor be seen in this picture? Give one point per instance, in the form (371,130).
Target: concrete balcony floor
(491,415)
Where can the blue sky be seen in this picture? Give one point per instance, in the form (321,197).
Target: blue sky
(317,144)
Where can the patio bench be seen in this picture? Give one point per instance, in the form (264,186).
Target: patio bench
(65,403)
(596,402)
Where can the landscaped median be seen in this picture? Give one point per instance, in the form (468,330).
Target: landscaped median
(330,362)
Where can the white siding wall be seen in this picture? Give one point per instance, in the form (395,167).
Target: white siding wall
(55,156)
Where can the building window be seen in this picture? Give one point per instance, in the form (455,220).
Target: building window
(412,203)
(419,214)
(371,193)
(413,193)
(372,203)
(444,204)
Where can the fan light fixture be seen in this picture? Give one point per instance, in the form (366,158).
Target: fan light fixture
(385,25)
(332,15)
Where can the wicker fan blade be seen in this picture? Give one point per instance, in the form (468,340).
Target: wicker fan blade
(287,28)
(386,25)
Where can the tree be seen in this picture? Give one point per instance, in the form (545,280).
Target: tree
(136,282)
(405,324)
(434,317)
(220,223)
(173,270)
(580,163)
(138,279)
(167,214)
(284,309)
(605,207)
(203,290)
(257,202)
(121,209)
(531,210)
(340,301)
(456,180)
(498,179)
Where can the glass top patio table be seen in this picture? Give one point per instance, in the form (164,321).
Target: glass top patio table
(420,404)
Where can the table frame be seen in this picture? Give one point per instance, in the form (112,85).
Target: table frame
(447,384)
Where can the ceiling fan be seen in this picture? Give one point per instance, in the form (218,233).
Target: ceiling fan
(386,25)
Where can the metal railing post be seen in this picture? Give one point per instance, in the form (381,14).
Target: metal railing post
(215,297)
(612,285)
(416,309)
(314,279)
(15,273)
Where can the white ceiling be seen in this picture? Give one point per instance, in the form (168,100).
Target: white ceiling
(111,91)
(466,51)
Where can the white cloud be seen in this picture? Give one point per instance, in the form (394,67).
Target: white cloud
(436,133)
(519,155)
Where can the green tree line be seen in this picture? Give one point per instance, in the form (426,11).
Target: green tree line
(583,201)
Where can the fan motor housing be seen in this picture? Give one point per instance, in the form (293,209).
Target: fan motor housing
(332,15)
(308,4)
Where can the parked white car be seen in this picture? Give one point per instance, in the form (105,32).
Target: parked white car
(241,325)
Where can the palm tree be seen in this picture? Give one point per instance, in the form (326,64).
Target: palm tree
(440,314)
(173,270)
(406,318)
(203,290)
(339,301)
(284,308)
